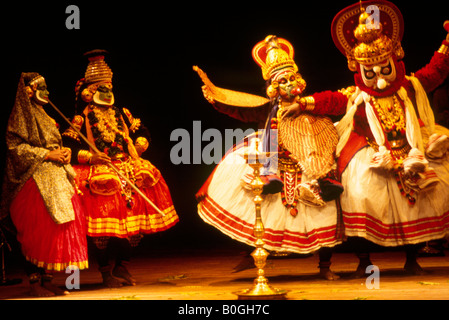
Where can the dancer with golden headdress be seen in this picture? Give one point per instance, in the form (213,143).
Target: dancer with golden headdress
(299,210)
(116,214)
(393,158)
(39,191)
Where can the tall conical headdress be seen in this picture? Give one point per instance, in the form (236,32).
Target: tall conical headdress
(362,39)
(274,54)
(97,69)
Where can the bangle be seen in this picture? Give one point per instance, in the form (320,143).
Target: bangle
(444,49)
(308,103)
(84,156)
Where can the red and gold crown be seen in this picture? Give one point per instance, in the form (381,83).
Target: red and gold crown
(362,39)
(274,54)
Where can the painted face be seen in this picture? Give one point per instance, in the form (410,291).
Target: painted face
(104,96)
(289,83)
(41,94)
(379,76)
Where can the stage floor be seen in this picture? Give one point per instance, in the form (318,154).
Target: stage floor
(208,275)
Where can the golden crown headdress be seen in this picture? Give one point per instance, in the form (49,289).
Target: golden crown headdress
(274,54)
(97,69)
(362,39)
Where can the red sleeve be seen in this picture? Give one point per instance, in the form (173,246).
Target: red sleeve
(330,103)
(434,74)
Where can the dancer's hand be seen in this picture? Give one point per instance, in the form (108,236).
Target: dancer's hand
(292,110)
(99,158)
(57,155)
(67,152)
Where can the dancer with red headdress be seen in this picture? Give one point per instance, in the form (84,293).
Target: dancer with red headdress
(299,211)
(393,157)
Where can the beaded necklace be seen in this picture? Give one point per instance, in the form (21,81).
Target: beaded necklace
(107,129)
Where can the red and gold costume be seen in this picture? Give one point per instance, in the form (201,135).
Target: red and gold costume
(393,158)
(113,208)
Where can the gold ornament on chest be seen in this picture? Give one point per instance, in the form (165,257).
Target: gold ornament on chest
(391,115)
(107,123)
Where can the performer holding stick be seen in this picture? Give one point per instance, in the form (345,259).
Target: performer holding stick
(39,193)
(125,196)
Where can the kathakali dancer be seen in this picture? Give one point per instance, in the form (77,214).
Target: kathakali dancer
(39,192)
(117,215)
(393,158)
(299,210)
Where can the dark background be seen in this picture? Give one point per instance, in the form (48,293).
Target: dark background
(153,47)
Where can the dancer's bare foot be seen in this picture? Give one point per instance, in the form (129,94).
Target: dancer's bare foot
(327,274)
(36,290)
(361,268)
(110,281)
(120,271)
(54,289)
(246,263)
(413,268)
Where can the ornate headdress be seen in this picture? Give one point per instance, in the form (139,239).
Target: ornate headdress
(97,69)
(375,38)
(97,72)
(274,54)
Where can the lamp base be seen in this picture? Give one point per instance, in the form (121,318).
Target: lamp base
(262,291)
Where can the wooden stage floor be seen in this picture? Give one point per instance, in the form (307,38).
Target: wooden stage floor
(208,275)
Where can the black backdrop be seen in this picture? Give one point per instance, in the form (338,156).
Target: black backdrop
(152,49)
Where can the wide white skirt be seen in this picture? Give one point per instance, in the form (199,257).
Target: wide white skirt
(229,207)
(374,208)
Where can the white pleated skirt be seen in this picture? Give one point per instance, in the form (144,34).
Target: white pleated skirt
(374,208)
(229,207)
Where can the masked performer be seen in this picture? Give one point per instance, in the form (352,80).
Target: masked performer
(393,158)
(116,214)
(299,210)
(39,190)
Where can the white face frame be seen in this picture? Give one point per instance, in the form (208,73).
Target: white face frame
(41,96)
(378,76)
(104,96)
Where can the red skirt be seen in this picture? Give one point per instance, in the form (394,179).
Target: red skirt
(46,244)
(111,215)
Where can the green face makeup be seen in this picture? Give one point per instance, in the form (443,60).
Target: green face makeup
(104,95)
(41,94)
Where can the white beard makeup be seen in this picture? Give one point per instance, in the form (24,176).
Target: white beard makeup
(379,77)
(41,97)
